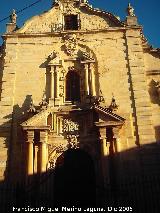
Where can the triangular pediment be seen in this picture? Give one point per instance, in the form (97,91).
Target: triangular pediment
(88,18)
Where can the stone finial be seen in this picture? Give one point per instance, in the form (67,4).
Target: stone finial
(43,103)
(113,106)
(32,108)
(130,10)
(13,17)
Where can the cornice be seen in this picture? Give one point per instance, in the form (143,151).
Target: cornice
(97,11)
(80,32)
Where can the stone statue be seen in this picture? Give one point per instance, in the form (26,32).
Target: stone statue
(13,17)
(113,106)
(130,10)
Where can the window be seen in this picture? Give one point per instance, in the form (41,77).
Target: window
(72,86)
(71,22)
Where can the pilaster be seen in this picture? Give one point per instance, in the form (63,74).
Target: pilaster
(86,79)
(138,84)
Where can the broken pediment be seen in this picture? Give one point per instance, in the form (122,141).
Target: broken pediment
(37,121)
(107,117)
(70,15)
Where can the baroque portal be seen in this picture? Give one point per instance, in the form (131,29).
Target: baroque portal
(79,88)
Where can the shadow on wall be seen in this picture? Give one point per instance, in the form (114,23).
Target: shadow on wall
(134,183)
(157,133)
(13,142)
(154,96)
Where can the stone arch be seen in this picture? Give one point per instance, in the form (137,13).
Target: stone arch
(75,182)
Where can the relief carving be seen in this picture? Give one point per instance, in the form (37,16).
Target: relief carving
(70,126)
(73,141)
(87,56)
(69,7)
(70,44)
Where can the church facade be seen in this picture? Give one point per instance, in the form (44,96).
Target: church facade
(78,78)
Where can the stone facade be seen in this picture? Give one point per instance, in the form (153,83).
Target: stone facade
(108,58)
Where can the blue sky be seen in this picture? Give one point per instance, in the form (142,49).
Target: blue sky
(147,12)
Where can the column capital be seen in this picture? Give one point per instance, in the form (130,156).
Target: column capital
(30,136)
(102,131)
(43,136)
(116,131)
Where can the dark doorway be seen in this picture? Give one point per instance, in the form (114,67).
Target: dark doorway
(75,180)
(72,86)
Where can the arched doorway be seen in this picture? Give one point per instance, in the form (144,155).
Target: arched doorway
(75,179)
(72,86)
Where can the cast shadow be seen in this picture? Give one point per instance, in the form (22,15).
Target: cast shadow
(13,139)
(154,96)
(134,183)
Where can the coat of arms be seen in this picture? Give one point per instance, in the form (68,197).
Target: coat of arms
(70,44)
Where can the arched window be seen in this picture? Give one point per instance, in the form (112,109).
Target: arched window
(72,86)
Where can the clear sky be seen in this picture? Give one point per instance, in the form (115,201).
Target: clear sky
(147,11)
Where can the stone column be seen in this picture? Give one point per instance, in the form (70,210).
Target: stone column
(104,155)
(92,80)
(30,158)
(86,79)
(43,150)
(52,82)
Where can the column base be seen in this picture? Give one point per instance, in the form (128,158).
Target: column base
(54,101)
(90,99)
(51,102)
(57,101)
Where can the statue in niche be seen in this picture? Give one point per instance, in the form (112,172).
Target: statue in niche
(130,10)
(13,17)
